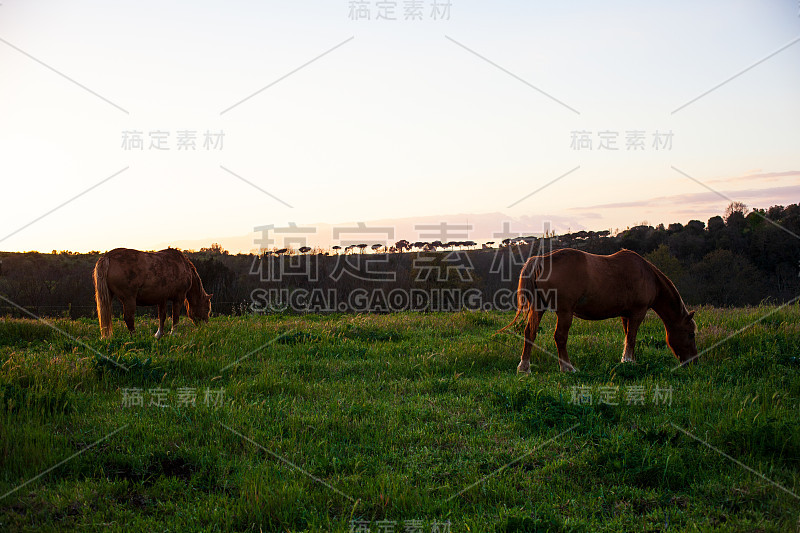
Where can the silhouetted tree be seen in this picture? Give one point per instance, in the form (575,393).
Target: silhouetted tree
(215,248)
(715,225)
(735,207)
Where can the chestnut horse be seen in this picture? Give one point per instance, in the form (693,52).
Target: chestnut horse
(596,287)
(148,278)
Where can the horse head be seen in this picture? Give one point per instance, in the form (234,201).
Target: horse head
(199,310)
(681,338)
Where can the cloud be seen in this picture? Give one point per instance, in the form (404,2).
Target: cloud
(766,176)
(787,194)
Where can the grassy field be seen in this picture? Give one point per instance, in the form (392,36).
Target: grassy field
(414,421)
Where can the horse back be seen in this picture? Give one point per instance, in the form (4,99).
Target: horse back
(150,277)
(598,286)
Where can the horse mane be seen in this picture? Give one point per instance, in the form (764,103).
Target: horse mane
(196,290)
(669,290)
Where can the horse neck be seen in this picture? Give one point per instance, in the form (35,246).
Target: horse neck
(668,303)
(195,291)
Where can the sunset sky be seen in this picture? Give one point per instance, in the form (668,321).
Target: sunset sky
(329,120)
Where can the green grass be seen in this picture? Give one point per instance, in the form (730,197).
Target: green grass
(392,417)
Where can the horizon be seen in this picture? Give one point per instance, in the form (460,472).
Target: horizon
(294,246)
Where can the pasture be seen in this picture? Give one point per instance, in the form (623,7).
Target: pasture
(401,422)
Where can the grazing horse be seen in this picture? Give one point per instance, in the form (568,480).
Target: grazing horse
(148,278)
(595,287)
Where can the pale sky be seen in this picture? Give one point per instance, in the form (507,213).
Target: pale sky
(367,120)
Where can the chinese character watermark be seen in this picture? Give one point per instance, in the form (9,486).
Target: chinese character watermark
(610,395)
(413,10)
(160,397)
(634,140)
(400,526)
(185,140)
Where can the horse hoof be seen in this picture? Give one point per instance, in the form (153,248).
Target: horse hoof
(524,368)
(158,334)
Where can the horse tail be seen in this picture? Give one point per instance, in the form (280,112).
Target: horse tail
(526,290)
(102,296)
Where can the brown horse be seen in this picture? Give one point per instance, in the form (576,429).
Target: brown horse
(595,287)
(148,278)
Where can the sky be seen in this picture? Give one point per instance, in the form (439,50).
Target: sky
(305,113)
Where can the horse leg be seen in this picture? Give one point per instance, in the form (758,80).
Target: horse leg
(562,332)
(129,311)
(531,328)
(162,316)
(631,326)
(176,315)
(625,322)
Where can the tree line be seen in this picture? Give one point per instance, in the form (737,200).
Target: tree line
(744,257)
